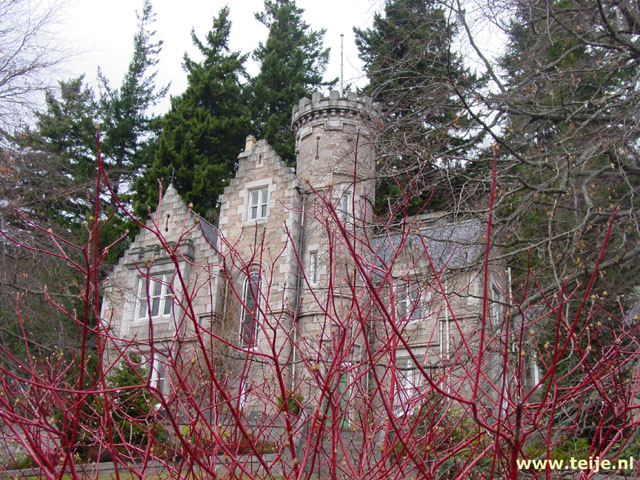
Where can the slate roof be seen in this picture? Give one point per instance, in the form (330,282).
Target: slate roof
(210,233)
(449,245)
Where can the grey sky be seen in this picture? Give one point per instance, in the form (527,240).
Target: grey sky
(102,34)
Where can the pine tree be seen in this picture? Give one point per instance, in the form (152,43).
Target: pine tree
(292,62)
(416,78)
(205,129)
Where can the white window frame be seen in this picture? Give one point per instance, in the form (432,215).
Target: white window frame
(250,299)
(258,203)
(160,291)
(444,334)
(243,394)
(158,377)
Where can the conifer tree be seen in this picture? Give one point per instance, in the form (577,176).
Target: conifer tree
(292,62)
(65,136)
(205,129)
(416,77)
(128,126)
(47,178)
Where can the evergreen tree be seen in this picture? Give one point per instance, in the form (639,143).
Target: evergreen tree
(48,176)
(127,124)
(292,62)
(65,135)
(134,413)
(416,78)
(205,129)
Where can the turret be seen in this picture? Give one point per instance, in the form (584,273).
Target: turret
(327,131)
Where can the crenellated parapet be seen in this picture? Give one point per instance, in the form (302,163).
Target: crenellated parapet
(333,109)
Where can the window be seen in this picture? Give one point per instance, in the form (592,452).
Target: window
(445,336)
(243,394)
(408,379)
(160,296)
(313,268)
(336,402)
(497,305)
(158,372)
(407,297)
(344,390)
(345,202)
(250,311)
(258,199)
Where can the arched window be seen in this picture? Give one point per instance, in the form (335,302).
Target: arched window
(250,310)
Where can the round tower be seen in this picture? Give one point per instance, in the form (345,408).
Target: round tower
(336,170)
(334,141)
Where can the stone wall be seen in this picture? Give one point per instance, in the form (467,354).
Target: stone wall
(174,253)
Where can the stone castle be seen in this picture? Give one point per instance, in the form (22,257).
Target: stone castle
(298,282)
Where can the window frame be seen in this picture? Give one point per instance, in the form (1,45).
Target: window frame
(344,390)
(158,371)
(165,297)
(408,383)
(243,394)
(247,316)
(408,300)
(313,267)
(346,202)
(261,204)
(444,336)
(498,305)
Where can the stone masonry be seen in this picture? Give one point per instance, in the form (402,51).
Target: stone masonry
(260,280)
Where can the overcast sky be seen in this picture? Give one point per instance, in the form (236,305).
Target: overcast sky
(100,34)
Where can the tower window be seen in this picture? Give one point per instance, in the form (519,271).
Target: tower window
(345,202)
(313,268)
(258,200)
(250,312)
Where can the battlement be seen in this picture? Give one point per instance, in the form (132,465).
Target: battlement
(321,107)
